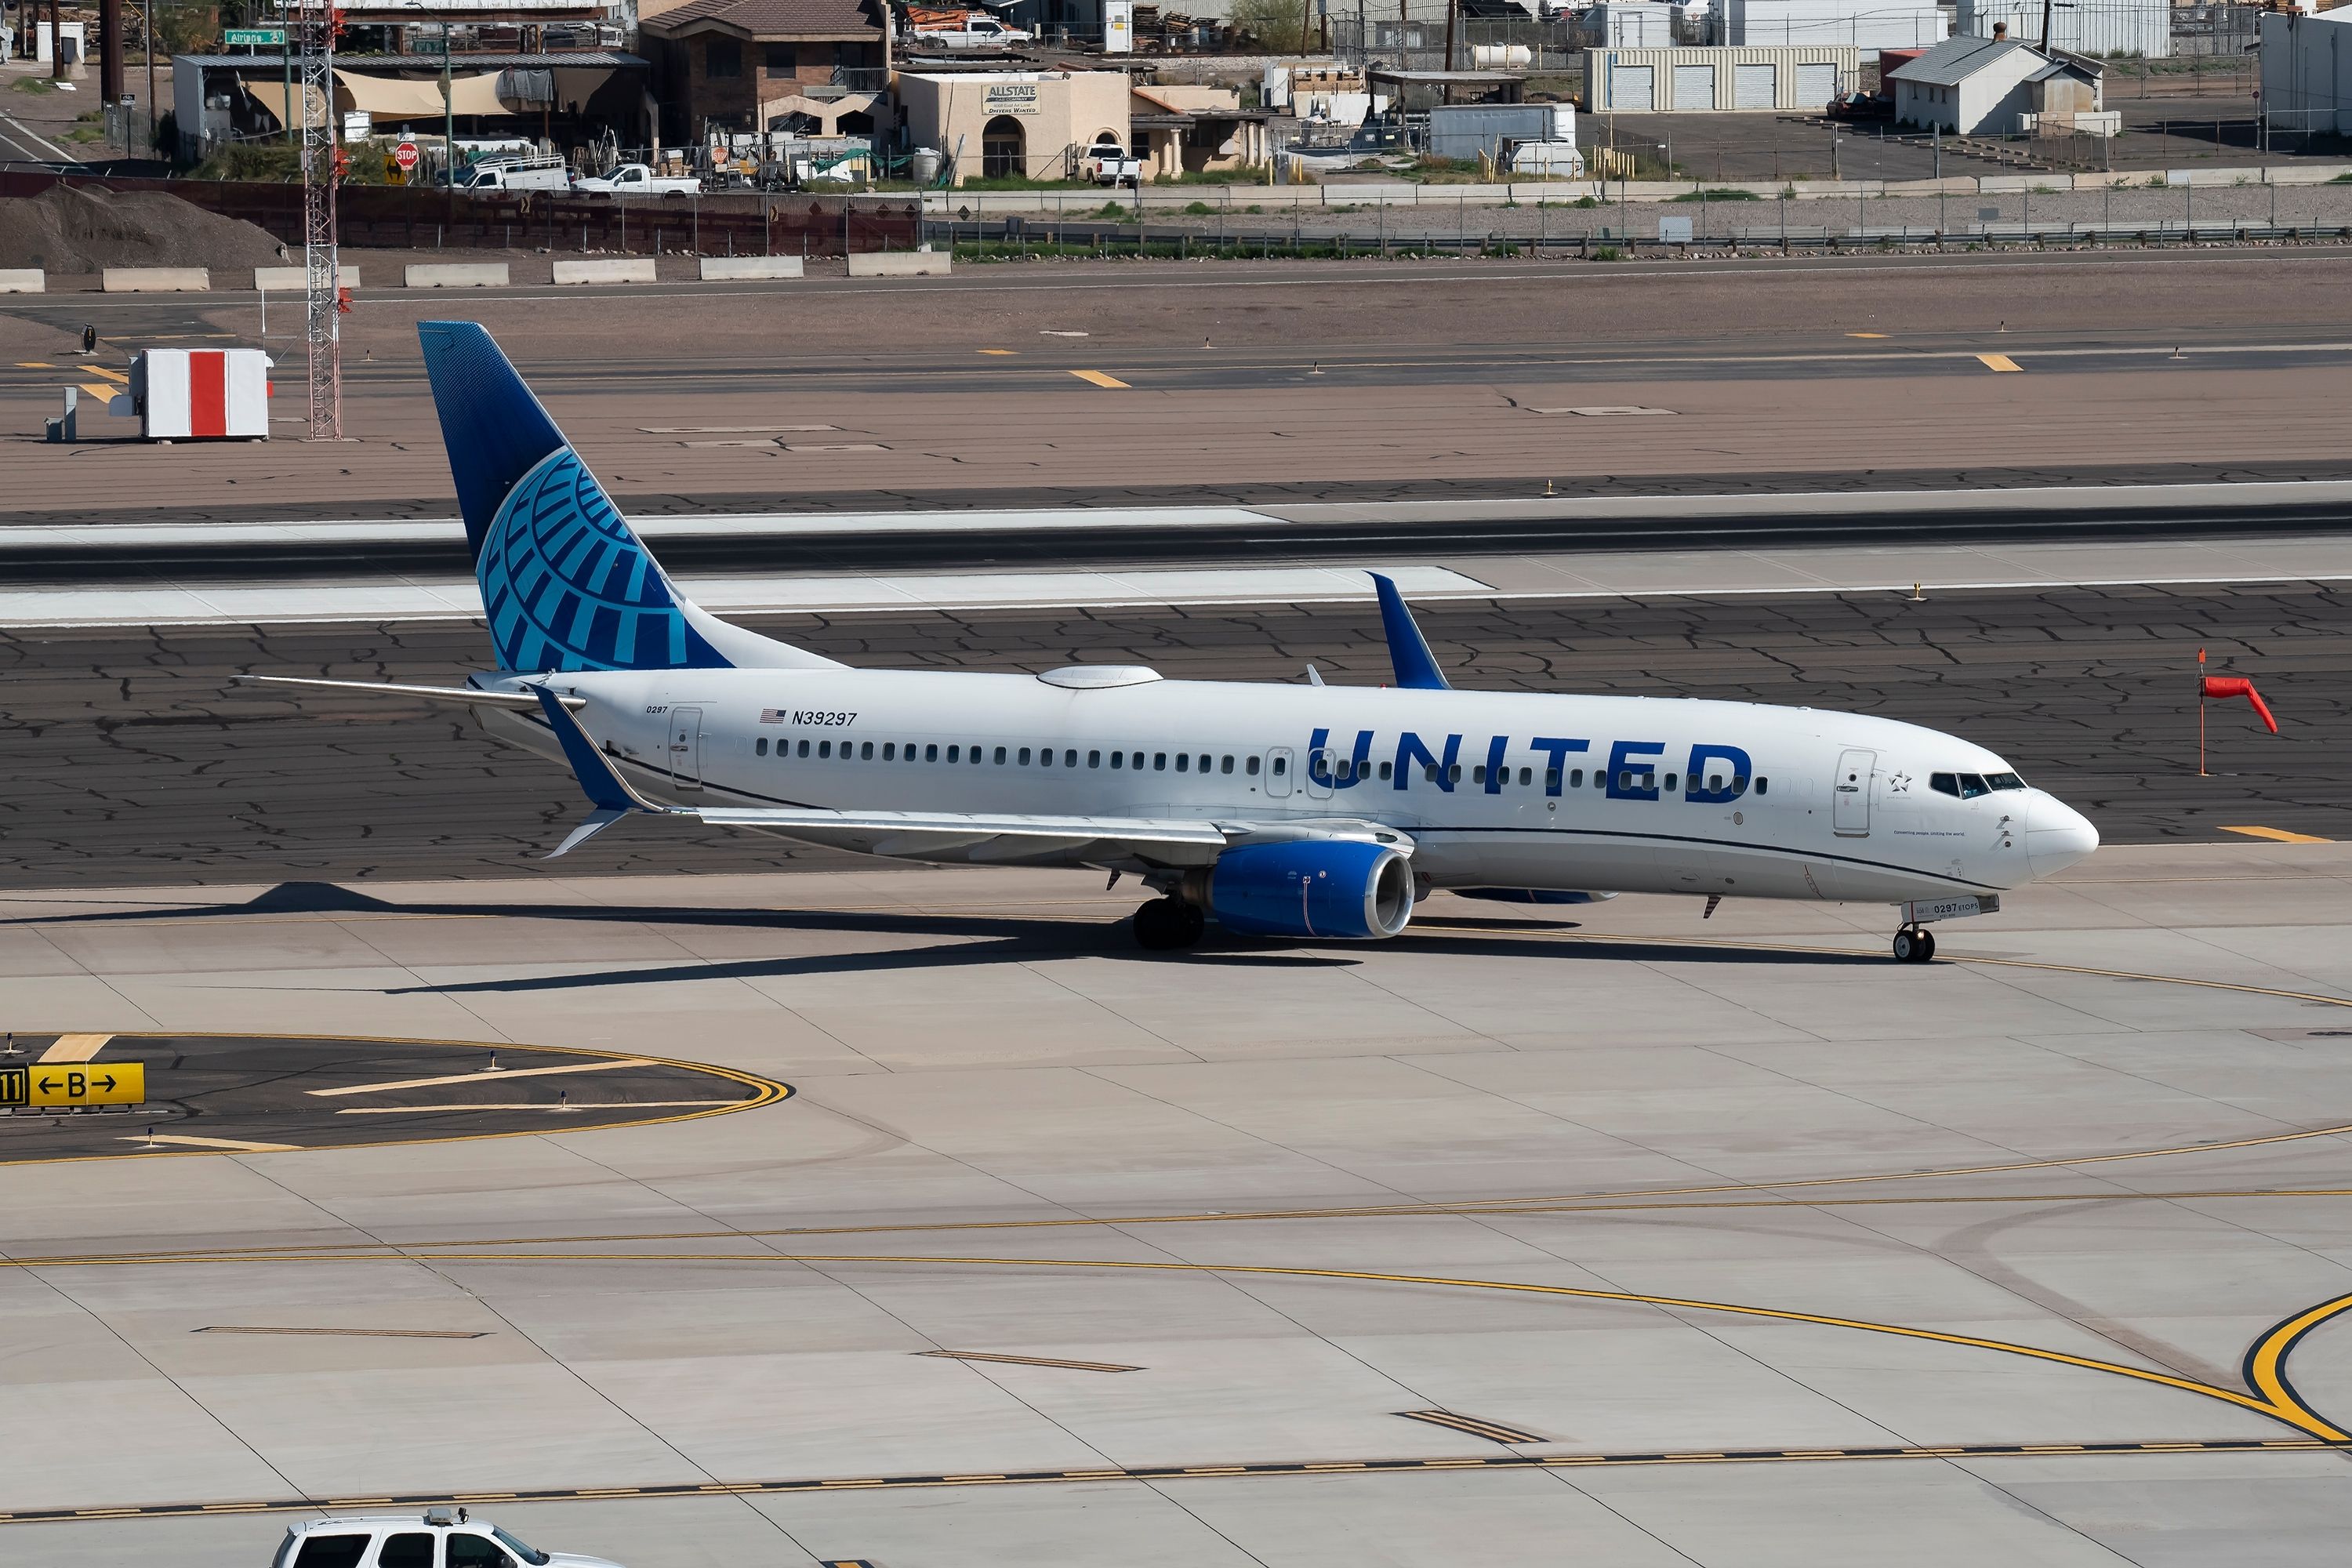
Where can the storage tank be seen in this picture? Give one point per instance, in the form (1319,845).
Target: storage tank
(1500,57)
(923,166)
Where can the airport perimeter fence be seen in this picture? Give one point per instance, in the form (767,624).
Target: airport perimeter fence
(1535,223)
(397,219)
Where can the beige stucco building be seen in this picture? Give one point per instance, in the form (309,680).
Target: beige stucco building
(1029,125)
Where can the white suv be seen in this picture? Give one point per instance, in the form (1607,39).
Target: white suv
(440,1538)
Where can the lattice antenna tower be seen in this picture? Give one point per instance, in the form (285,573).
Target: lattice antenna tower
(315,23)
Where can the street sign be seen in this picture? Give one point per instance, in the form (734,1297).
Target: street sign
(254,37)
(405,156)
(68,1086)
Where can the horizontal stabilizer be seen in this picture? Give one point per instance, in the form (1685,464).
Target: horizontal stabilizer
(463,697)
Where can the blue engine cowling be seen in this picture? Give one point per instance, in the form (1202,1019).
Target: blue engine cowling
(1327,887)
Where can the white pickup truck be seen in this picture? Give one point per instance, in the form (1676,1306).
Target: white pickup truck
(969,32)
(1105,165)
(636,180)
(516,175)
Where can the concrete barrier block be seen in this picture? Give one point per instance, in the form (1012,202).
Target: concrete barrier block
(716,268)
(457,275)
(155,281)
(278,279)
(23,280)
(606,269)
(899,264)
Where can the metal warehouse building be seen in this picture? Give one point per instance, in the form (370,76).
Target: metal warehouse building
(2109,27)
(1687,81)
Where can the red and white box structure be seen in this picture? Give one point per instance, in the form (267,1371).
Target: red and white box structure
(185,394)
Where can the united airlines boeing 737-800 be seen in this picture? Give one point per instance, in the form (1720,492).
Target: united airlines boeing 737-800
(1278,810)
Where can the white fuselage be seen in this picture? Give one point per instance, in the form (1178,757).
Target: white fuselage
(1496,789)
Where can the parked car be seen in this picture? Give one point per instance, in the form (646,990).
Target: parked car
(1108,166)
(637,180)
(550,173)
(970,30)
(440,1538)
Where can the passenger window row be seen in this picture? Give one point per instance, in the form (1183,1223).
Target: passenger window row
(1010,756)
(1341,770)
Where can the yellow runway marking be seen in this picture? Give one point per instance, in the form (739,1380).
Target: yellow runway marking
(114,376)
(227,1145)
(483,1077)
(530,1105)
(2280,834)
(1151,1474)
(1866,334)
(98,390)
(2277,1399)
(1000,352)
(1099,379)
(34,364)
(1999,362)
(75,1048)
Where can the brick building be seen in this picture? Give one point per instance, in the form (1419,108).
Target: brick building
(821,66)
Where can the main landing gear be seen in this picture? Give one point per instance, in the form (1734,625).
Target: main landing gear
(1168,922)
(1914,944)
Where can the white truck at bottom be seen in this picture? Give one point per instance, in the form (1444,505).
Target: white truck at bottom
(439,1537)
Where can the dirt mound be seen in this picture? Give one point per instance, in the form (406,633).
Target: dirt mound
(71,229)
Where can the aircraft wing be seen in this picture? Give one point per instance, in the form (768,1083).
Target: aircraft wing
(978,836)
(983,835)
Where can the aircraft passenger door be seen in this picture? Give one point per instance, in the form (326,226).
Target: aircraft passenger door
(686,747)
(1278,763)
(1319,763)
(1850,793)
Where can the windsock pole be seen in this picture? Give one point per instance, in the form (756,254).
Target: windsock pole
(2200,715)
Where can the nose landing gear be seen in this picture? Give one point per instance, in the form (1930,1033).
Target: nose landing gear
(1169,922)
(1914,944)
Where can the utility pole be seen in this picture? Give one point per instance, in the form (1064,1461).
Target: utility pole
(314,22)
(57,44)
(109,57)
(1453,15)
(2045,25)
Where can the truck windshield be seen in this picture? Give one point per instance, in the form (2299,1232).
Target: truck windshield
(528,1554)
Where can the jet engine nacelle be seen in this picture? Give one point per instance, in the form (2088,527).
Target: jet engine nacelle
(1328,888)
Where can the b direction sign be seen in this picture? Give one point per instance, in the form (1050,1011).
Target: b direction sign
(73,1086)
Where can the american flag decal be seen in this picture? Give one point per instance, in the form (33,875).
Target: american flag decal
(771,715)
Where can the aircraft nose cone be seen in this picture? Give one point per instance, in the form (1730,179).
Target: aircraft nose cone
(2056,836)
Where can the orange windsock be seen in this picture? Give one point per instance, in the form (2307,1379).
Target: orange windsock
(2227,686)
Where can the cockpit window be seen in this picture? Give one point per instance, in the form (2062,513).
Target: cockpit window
(1944,783)
(1968,786)
(1973,785)
(2004,781)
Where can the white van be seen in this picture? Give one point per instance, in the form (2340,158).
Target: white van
(438,1539)
(516,175)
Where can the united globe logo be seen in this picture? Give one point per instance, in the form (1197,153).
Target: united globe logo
(567,586)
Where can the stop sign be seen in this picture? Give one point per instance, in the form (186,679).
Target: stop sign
(404,155)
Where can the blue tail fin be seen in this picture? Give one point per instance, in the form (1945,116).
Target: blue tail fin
(566,582)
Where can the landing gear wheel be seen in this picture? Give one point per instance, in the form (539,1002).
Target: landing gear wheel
(1914,946)
(1165,923)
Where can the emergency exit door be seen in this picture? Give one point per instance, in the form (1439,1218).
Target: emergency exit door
(1850,793)
(686,747)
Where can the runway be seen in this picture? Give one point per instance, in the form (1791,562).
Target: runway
(1113,385)
(1638,1238)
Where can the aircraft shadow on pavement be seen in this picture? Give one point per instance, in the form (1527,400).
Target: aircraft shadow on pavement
(1007,940)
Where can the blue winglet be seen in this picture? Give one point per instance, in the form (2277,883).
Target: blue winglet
(1416,667)
(602,786)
